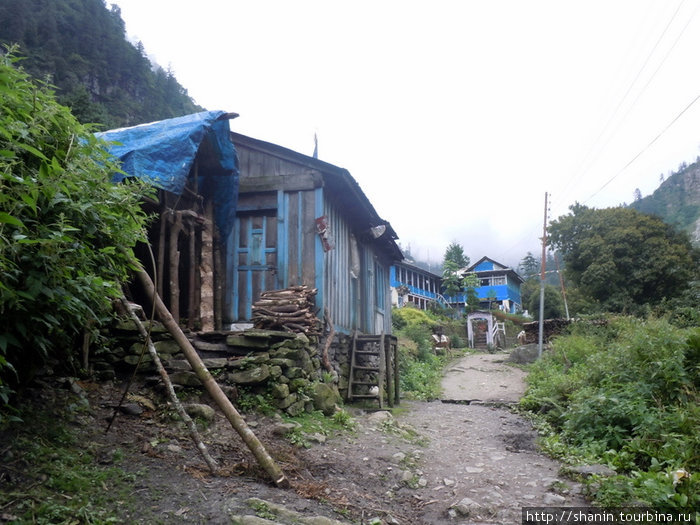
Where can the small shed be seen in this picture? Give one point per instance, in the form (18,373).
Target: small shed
(303,221)
(193,163)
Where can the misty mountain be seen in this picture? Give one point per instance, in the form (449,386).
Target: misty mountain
(80,47)
(677,200)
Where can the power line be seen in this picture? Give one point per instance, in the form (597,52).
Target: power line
(624,97)
(645,148)
(653,75)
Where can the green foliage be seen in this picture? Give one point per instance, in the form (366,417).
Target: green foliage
(66,231)
(455,254)
(420,378)
(61,479)
(672,201)
(529,266)
(420,369)
(252,400)
(622,259)
(308,423)
(451,281)
(625,394)
(80,46)
(553,302)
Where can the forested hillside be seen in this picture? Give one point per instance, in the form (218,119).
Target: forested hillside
(677,200)
(80,47)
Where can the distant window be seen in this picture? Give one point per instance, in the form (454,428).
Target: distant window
(499,279)
(486,282)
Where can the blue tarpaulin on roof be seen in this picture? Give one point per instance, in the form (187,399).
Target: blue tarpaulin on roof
(163,153)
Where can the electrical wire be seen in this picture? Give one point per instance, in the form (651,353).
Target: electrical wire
(624,97)
(645,148)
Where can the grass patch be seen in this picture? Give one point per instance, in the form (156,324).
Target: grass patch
(310,423)
(50,474)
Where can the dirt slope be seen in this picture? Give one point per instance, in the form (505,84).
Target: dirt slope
(430,463)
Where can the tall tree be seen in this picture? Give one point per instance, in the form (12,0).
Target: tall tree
(622,258)
(553,302)
(529,266)
(455,254)
(453,261)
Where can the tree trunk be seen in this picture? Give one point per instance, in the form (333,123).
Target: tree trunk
(160,262)
(237,422)
(206,304)
(175,227)
(192,270)
(219,280)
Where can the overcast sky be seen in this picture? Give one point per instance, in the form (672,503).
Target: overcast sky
(455,117)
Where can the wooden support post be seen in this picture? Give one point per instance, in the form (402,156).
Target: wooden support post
(192,276)
(329,340)
(214,390)
(220,278)
(174,271)
(160,263)
(386,349)
(397,385)
(206,270)
(381,373)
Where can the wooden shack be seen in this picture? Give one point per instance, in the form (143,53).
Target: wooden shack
(192,162)
(302,221)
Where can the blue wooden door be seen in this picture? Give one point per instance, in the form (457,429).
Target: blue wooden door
(256,259)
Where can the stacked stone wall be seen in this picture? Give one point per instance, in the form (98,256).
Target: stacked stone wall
(282,365)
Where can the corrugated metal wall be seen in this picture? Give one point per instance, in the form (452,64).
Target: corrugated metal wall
(340,288)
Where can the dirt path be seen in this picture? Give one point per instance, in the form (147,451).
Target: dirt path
(467,461)
(482,464)
(483,377)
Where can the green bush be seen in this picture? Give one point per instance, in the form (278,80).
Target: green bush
(66,231)
(420,378)
(625,393)
(420,368)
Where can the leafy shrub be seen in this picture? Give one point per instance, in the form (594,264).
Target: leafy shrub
(625,394)
(66,231)
(410,316)
(421,379)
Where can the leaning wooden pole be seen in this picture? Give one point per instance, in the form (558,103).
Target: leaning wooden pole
(194,434)
(237,422)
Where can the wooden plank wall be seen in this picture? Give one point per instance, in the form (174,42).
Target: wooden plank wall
(299,230)
(352,302)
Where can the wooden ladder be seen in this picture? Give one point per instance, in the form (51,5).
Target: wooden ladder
(373,363)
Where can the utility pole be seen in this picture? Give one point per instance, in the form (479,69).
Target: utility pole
(544,265)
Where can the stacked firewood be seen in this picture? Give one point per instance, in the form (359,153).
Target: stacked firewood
(290,309)
(550,328)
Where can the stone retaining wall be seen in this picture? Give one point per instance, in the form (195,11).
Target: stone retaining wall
(284,366)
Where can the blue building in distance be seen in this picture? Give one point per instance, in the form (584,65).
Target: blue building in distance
(499,286)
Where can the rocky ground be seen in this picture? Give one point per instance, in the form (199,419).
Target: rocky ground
(468,460)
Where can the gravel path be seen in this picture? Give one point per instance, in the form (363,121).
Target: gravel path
(483,377)
(467,459)
(482,464)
